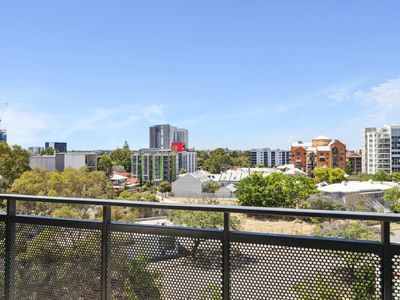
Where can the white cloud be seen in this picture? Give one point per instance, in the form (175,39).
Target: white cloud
(29,128)
(386,95)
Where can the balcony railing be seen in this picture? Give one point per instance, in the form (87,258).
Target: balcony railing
(54,258)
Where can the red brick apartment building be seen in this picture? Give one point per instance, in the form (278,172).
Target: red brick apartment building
(321,152)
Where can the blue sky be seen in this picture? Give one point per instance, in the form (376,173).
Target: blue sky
(237,74)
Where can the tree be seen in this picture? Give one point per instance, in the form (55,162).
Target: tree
(14,161)
(345,230)
(392,196)
(211,187)
(274,190)
(139,282)
(48,151)
(354,273)
(122,156)
(126,145)
(321,202)
(381,176)
(220,160)
(105,164)
(201,219)
(69,183)
(164,187)
(329,175)
(349,168)
(395,176)
(182,171)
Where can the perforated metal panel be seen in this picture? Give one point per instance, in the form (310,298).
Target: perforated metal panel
(396,277)
(57,262)
(2,257)
(156,267)
(280,272)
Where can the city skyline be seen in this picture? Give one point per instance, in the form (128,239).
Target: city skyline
(97,75)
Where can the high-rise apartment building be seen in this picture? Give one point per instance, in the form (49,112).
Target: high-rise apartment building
(156,165)
(321,152)
(269,158)
(57,146)
(162,136)
(381,149)
(354,159)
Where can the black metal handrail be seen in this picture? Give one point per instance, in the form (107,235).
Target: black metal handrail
(332,214)
(384,249)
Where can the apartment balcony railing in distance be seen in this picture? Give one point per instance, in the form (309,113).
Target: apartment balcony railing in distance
(54,258)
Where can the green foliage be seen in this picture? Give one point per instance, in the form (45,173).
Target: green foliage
(182,171)
(164,187)
(48,151)
(14,161)
(329,175)
(211,187)
(202,219)
(220,160)
(137,196)
(212,292)
(350,272)
(349,168)
(360,177)
(259,166)
(346,230)
(122,157)
(381,176)
(105,164)
(47,263)
(275,190)
(140,283)
(321,202)
(70,183)
(392,196)
(395,176)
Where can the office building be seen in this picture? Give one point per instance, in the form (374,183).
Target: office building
(35,150)
(162,136)
(3,136)
(381,149)
(61,161)
(269,158)
(321,152)
(57,146)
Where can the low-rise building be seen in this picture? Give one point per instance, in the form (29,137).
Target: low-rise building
(191,185)
(61,161)
(226,192)
(321,152)
(347,191)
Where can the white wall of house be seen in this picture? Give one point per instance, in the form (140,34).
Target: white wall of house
(47,162)
(187,186)
(74,160)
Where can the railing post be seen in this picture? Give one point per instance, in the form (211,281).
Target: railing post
(9,267)
(105,251)
(387,274)
(225,257)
